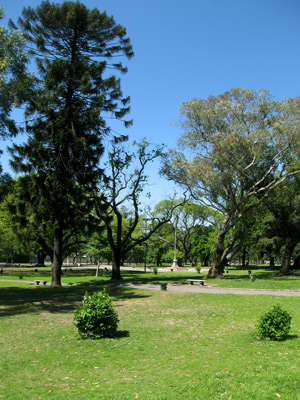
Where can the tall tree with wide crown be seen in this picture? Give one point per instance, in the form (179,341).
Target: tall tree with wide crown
(241,145)
(73,47)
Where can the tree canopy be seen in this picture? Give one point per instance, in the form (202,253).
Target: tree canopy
(243,144)
(65,114)
(14,79)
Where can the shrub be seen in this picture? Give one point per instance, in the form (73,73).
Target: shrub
(155,270)
(198,269)
(275,324)
(96,317)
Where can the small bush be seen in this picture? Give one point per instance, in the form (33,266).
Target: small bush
(274,324)
(155,270)
(96,317)
(198,269)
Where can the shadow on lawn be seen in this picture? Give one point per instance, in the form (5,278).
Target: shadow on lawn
(259,275)
(36,300)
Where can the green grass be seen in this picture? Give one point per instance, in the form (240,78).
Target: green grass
(265,279)
(169,345)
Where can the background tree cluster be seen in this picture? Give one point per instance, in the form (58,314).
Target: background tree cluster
(237,159)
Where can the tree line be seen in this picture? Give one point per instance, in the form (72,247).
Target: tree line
(237,159)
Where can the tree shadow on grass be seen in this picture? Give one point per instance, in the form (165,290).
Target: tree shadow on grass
(261,275)
(47,299)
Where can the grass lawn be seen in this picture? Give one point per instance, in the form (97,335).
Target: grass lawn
(265,279)
(169,345)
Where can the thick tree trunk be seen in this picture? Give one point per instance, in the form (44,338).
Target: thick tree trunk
(116,266)
(272,262)
(217,267)
(57,257)
(285,263)
(41,255)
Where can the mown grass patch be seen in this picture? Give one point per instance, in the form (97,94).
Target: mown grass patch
(168,346)
(264,278)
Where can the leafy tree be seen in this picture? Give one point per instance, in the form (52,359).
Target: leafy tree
(65,115)
(11,242)
(265,240)
(203,244)
(186,220)
(117,203)
(281,228)
(244,144)
(161,242)
(14,79)
(190,216)
(25,215)
(98,246)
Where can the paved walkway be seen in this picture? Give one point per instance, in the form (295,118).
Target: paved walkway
(213,290)
(192,288)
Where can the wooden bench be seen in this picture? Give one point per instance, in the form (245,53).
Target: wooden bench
(37,282)
(191,281)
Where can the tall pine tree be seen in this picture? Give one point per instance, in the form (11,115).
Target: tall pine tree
(65,116)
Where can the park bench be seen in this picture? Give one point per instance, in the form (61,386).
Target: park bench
(37,282)
(191,281)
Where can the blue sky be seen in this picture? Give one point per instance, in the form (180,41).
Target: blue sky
(195,48)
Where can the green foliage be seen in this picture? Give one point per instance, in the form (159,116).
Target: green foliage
(155,270)
(275,324)
(241,145)
(35,320)
(14,80)
(66,112)
(198,269)
(96,318)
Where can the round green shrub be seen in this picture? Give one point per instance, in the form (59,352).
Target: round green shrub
(96,318)
(275,324)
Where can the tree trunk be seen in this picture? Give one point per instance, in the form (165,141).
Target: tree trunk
(116,266)
(285,263)
(217,267)
(41,255)
(244,258)
(272,263)
(57,257)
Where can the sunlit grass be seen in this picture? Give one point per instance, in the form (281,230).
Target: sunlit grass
(264,279)
(169,346)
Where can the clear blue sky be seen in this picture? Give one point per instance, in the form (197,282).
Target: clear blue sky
(194,48)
